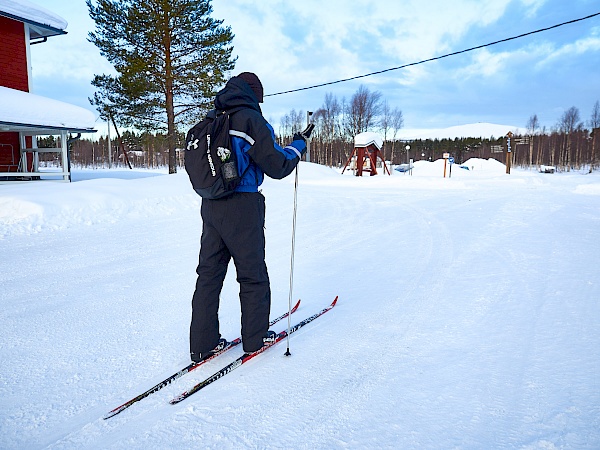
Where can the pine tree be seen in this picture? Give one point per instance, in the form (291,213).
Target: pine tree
(170,57)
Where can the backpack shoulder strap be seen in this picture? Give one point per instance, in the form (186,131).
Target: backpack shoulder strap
(230,112)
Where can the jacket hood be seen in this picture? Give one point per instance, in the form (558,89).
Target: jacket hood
(236,93)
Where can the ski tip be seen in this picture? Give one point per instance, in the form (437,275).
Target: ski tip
(296,306)
(117,410)
(334,301)
(178,399)
(111,414)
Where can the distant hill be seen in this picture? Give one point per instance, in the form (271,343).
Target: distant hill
(474,130)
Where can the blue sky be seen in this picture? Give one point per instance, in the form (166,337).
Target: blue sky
(291,45)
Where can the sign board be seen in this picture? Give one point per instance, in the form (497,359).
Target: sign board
(451,160)
(446,155)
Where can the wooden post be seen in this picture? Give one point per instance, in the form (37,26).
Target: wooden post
(508,151)
(360,161)
(446,156)
(121,142)
(373,158)
(64,144)
(349,160)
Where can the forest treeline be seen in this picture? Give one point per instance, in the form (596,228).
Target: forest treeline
(571,144)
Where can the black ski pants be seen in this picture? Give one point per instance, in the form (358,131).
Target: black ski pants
(232,227)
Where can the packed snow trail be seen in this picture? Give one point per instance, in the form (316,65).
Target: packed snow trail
(469,317)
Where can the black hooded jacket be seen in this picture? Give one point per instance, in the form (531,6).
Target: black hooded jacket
(253,138)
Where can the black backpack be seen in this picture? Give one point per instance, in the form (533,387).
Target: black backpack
(210,161)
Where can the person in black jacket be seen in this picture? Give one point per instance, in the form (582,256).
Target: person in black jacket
(233,227)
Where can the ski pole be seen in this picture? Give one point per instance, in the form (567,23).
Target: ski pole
(287,353)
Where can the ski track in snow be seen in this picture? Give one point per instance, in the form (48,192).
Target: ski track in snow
(467,316)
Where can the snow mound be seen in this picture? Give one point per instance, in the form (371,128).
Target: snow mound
(588,189)
(29,208)
(474,167)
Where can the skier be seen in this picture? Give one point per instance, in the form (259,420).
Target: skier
(233,227)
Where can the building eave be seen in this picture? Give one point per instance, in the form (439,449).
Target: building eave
(37,29)
(8,127)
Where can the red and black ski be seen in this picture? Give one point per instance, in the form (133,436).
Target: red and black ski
(248,356)
(187,369)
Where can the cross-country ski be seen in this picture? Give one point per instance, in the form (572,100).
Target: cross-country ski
(190,367)
(248,356)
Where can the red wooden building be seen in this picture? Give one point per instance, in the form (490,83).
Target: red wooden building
(23,115)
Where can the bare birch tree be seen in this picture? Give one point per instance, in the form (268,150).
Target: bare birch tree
(329,117)
(595,126)
(532,126)
(396,124)
(363,109)
(569,122)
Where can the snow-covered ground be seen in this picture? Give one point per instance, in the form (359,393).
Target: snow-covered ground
(468,316)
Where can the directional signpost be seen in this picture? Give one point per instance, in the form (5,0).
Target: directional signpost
(508,152)
(445,156)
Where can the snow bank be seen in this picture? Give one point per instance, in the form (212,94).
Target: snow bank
(472,168)
(588,189)
(101,197)
(107,196)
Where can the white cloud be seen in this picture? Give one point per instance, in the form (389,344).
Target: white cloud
(292,45)
(484,64)
(532,6)
(563,53)
(69,56)
(297,44)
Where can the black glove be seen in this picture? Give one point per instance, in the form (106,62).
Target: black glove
(304,134)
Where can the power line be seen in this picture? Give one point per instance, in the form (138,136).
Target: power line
(437,57)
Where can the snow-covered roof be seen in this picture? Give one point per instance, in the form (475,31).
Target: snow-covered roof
(42,22)
(367,138)
(22,111)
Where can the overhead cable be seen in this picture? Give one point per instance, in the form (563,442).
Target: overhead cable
(437,57)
